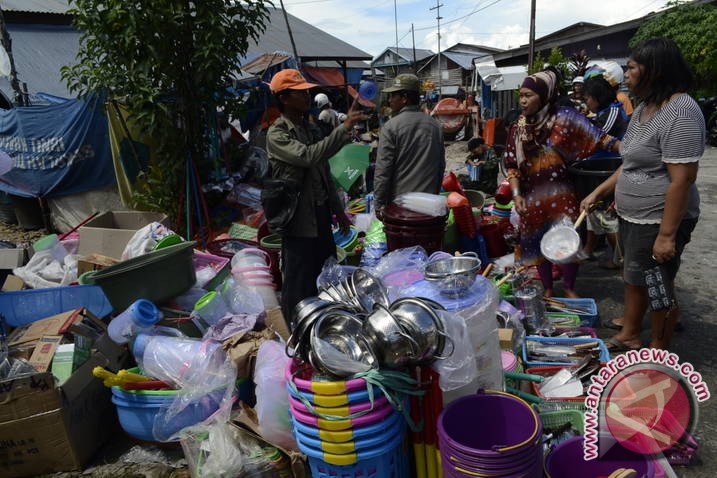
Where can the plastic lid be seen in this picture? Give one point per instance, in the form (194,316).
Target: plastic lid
(145,313)
(205,300)
(368,90)
(45,242)
(476,293)
(169,240)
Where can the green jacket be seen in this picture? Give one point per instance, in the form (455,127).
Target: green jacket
(300,152)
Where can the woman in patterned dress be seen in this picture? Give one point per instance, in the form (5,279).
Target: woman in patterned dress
(541,144)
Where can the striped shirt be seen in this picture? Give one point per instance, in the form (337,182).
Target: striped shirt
(675,134)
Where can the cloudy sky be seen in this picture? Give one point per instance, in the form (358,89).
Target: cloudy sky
(373,25)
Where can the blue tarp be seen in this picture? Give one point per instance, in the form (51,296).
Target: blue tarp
(56,150)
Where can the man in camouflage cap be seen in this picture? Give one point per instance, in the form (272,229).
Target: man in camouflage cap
(411,156)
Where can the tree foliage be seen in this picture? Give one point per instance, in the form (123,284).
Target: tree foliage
(694,29)
(168,62)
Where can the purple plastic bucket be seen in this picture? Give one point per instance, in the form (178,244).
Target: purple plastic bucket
(567,461)
(491,425)
(450,471)
(516,466)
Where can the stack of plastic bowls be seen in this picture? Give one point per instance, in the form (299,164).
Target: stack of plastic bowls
(490,434)
(346,428)
(251,267)
(138,409)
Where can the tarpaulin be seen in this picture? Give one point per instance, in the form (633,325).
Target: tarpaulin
(56,150)
(131,150)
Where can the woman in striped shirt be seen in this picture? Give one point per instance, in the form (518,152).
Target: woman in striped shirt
(655,191)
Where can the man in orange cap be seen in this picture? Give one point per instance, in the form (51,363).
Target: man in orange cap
(299,151)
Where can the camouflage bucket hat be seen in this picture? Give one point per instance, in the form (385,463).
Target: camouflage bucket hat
(404,82)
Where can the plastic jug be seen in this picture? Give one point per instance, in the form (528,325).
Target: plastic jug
(139,316)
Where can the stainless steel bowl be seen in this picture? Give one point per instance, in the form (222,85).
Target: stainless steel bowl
(369,289)
(453,275)
(420,320)
(393,346)
(307,311)
(343,332)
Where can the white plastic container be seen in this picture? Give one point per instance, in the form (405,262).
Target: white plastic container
(211,307)
(51,243)
(138,317)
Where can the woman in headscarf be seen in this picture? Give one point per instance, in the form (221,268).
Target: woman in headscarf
(541,144)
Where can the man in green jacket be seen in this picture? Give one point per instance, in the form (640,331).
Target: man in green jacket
(297,150)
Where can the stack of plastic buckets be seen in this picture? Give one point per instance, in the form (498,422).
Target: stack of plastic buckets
(490,434)
(567,460)
(405,228)
(251,267)
(346,428)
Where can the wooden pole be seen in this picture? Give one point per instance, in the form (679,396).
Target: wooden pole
(531,44)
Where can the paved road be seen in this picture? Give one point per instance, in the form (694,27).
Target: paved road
(697,293)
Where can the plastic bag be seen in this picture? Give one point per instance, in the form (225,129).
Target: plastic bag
(272,399)
(43,270)
(207,388)
(214,450)
(460,368)
(333,272)
(144,240)
(337,360)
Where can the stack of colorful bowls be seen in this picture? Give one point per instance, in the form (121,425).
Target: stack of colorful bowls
(346,428)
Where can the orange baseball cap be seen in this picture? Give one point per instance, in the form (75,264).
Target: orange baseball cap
(289,79)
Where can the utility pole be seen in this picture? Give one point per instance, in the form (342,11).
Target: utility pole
(531,40)
(7,45)
(413,42)
(291,35)
(437,8)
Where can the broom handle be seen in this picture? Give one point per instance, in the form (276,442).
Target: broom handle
(78,226)
(581,218)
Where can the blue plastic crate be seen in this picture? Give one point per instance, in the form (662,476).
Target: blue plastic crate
(24,306)
(604,352)
(588,319)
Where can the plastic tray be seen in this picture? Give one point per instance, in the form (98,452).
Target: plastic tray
(589,318)
(604,352)
(221,266)
(25,306)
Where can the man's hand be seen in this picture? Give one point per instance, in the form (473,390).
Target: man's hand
(354,115)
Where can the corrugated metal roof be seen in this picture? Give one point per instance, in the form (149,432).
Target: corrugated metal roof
(311,42)
(41,6)
(464,60)
(39,52)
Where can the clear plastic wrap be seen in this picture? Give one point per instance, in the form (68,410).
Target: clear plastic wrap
(458,369)
(272,399)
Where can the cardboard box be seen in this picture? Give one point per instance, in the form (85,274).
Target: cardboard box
(12,283)
(109,232)
(12,258)
(54,325)
(94,262)
(46,428)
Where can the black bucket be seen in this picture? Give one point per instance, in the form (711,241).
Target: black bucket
(590,173)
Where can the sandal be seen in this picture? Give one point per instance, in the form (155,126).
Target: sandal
(611,324)
(617,346)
